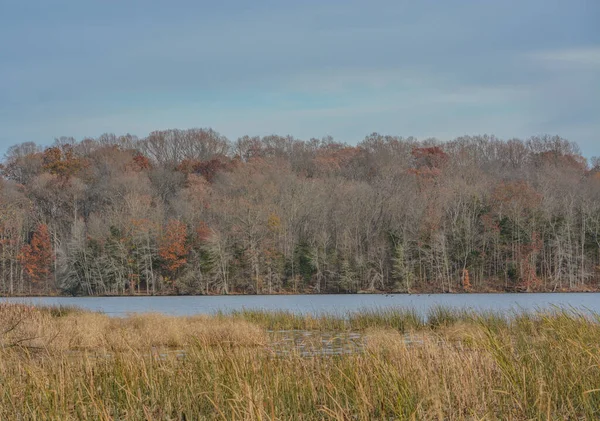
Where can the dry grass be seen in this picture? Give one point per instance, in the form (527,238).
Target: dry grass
(51,331)
(543,366)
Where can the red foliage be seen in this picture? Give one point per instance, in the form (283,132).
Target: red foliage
(433,157)
(208,169)
(140,163)
(173,249)
(36,257)
(428,162)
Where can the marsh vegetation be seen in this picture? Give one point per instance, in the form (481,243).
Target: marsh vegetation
(64,363)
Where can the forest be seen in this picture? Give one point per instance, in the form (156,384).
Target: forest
(191,212)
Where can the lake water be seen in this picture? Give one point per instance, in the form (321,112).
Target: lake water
(315,304)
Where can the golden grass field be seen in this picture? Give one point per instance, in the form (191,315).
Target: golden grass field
(68,364)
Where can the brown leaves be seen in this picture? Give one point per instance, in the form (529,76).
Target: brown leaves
(429,158)
(428,164)
(173,248)
(517,194)
(274,222)
(335,157)
(466,280)
(62,161)
(36,257)
(204,232)
(140,163)
(209,168)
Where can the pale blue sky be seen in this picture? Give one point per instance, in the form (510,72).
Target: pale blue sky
(307,68)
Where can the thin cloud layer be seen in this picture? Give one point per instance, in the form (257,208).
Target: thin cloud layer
(311,68)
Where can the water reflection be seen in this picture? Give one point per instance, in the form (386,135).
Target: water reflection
(312,343)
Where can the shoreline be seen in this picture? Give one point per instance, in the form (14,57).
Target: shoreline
(491,292)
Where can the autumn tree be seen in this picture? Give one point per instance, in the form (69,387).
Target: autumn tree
(36,257)
(275,213)
(466,280)
(62,161)
(173,249)
(207,169)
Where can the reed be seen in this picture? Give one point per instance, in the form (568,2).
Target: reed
(398,318)
(447,365)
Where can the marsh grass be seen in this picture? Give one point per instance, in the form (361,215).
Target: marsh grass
(447,365)
(59,330)
(396,318)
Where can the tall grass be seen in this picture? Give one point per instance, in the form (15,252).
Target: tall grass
(458,365)
(396,318)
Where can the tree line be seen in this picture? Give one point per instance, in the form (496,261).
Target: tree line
(191,212)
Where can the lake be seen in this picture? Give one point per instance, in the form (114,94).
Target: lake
(315,304)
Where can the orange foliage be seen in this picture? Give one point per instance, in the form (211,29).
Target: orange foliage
(336,156)
(428,164)
(173,249)
(61,162)
(466,280)
(36,257)
(140,163)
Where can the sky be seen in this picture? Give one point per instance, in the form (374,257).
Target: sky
(310,68)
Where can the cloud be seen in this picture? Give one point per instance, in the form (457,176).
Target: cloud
(304,68)
(577,57)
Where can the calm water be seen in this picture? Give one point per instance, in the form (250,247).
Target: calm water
(318,303)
